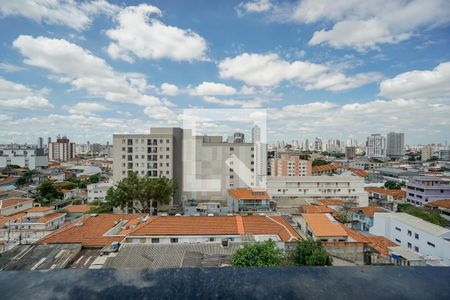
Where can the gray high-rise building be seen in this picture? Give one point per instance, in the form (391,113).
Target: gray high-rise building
(239,137)
(256,134)
(395,145)
(40,143)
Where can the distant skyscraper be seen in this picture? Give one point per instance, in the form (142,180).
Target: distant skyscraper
(306,145)
(256,134)
(40,143)
(239,137)
(350,152)
(427,152)
(395,145)
(376,146)
(318,144)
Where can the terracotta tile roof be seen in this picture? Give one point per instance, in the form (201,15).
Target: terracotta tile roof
(247,193)
(7,179)
(381,244)
(356,236)
(217,225)
(397,194)
(309,209)
(324,225)
(326,168)
(334,202)
(368,210)
(444,203)
(359,172)
(39,209)
(89,230)
(12,218)
(5,203)
(81,208)
(49,217)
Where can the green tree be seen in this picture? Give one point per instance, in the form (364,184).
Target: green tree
(49,192)
(392,185)
(140,193)
(320,162)
(310,252)
(26,177)
(262,254)
(93,179)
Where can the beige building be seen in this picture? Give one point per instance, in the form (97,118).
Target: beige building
(290,165)
(155,154)
(427,153)
(12,206)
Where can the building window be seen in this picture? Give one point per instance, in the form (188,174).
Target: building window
(167,141)
(155,240)
(431,244)
(409,245)
(409,232)
(416,236)
(174,240)
(398,229)
(416,248)
(231,148)
(211,239)
(398,241)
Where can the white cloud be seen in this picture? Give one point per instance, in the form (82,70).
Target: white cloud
(214,89)
(86,108)
(434,83)
(59,12)
(140,34)
(270,70)
(169,89)
(364,25)
(5,67)
(256,6)
(18,96)
(84,71)
(161,113)
(235,102)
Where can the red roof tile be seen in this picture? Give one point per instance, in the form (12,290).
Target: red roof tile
(247,193)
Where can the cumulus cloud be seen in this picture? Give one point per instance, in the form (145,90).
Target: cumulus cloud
(270,70)
(86,108)
(83,71)
(169,89)
(364,25)
(74,14)
(256,6)
(9,68)
(214,89)
(235,102)
(430,84)
(140,34)
(18,96)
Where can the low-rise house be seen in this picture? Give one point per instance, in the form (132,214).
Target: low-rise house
(327,169)
(322,227)
(385,197)
(315,209)
(97,191)
(363,217)
(427,239)
(441,206)
(248,200)
(10,206)
(39,218)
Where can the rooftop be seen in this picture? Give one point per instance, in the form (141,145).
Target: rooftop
(444,203)
(324,225)
(80,208)
(39,209)
(247,193)
(315,209)
(368,210)
(326,168)
(398,194)
(417,223)
(9,202)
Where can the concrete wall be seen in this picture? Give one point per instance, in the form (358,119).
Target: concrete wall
(350,251)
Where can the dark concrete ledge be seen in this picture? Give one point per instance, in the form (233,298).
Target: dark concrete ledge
(373,282)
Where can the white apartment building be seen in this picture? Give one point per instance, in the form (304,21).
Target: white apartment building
(295,190)
(429,240)
(318,146)
(155,154)
(97,191)
(23,157)
(212,166)
(260,155)
(376,146)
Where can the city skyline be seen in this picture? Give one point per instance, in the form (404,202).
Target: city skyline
(74,69)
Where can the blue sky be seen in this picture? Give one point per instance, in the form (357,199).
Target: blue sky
(334,69)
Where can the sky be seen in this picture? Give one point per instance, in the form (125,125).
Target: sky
(333,69)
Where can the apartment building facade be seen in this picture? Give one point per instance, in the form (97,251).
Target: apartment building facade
(395,145)
(376,146)
(61,150)
(290,165)
(423,189)
(155,154)
(212,166)
(295,190)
